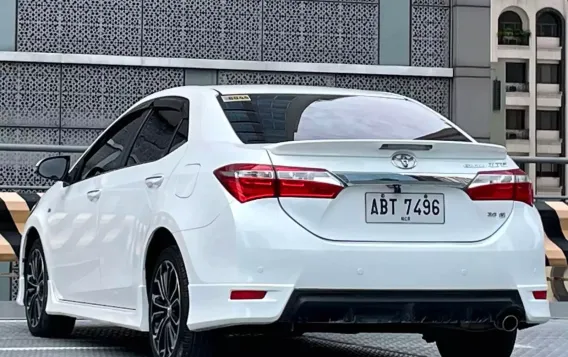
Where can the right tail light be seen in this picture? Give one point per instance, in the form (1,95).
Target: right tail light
(502,185)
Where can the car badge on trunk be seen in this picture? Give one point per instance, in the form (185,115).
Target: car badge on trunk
(403,161)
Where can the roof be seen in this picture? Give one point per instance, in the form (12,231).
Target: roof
(276,89)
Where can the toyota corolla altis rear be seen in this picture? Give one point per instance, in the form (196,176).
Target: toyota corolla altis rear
(281,209)
(353,211)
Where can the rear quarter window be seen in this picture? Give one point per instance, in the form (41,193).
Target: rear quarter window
(274,118)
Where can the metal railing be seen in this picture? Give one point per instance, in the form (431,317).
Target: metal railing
(543,160)
(517,87)
(81,149)
(38,148)
(44,148)
(517,134)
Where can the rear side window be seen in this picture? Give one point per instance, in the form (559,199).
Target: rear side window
(273,118)
(158,132)
(181,135)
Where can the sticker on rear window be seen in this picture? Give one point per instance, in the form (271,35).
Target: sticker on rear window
(235,98)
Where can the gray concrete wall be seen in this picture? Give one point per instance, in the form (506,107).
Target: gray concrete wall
(8,25)
(394,30)
(471,94)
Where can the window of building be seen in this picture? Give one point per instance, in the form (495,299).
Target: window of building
(548,170)
(515,72)
(515,119)
(547,73)
(511,30)
(509,20)
(547,120)
(548,25)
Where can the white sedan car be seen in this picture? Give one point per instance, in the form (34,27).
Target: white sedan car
(283,209)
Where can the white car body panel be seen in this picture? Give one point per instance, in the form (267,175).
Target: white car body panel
(95,250)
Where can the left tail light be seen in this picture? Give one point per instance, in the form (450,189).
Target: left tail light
(247,182)
(502,185)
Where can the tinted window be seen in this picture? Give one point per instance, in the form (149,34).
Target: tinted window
(547,120)
(515,72)
(547,74)
(547,170)
(181,135)
(272,118)
(515,119)
(155,137)
(108,157)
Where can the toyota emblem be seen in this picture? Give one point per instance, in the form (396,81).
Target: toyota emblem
(403,161)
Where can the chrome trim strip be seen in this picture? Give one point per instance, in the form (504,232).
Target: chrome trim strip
(386,178)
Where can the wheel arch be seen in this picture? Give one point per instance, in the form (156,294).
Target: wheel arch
(160,239)
(32,234)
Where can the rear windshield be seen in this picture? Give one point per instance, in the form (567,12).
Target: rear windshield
(274,118)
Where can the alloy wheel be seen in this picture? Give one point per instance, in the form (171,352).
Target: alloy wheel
(165,309)
(35,287)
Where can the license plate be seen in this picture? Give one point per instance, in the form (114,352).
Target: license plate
(420,208)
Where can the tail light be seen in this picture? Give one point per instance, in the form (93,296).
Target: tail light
(506,185)
(247,294)
(247,182)
(540,294)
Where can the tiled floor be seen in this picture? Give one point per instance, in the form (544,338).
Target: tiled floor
(95,340)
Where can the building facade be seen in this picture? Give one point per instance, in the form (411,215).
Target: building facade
(70,67)
(528,37)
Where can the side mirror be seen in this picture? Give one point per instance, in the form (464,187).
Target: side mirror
(54,168)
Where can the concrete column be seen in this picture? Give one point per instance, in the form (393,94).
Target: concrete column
(394,30)
(533,96)
(471,91)
(7,25)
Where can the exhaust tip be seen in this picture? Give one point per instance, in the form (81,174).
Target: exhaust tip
(509,323)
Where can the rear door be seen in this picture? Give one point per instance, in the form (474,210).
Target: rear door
(405,167)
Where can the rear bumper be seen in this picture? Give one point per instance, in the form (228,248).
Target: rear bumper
(244,249)
(321,310)
(325,310)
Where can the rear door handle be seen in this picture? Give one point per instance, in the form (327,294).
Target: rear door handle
(154,181)
(93,195)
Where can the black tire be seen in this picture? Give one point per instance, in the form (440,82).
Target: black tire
(187,343)
(36,277)
(492,343)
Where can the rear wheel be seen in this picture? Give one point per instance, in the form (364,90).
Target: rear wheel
(169,306)
(35,298)
(492,343)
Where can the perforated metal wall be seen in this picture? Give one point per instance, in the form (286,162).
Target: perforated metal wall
(434,92)
(430,33)
(71,104)
(334,31)
(65,104)
(14,268)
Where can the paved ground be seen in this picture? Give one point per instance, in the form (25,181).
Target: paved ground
(95,340)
